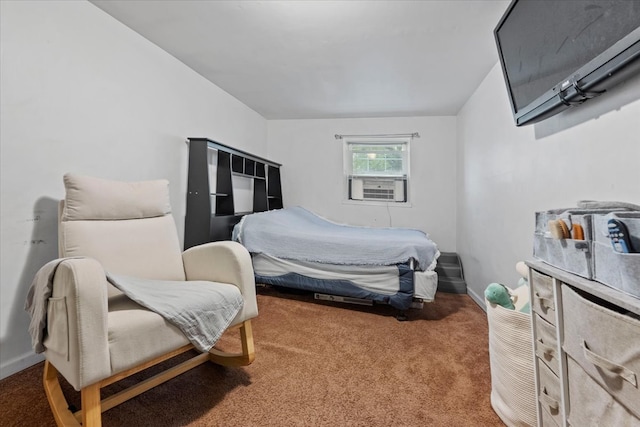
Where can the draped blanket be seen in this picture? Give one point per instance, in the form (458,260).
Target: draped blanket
(298,234)
(201,310)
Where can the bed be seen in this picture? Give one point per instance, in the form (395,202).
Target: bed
(295,248)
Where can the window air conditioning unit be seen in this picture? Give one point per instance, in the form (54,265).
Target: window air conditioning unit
(378,189)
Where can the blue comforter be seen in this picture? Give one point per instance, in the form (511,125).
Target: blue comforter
(298,234)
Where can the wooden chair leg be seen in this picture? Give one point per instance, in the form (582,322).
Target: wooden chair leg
(246,338)
(91,412)
(57,401)
(245,358)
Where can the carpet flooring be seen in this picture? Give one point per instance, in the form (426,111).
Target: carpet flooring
(317,364)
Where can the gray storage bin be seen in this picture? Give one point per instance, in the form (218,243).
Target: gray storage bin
(547,344)
(611,359)
(615,269)
(591,405)
(543,302)
(549,393)
(570,255)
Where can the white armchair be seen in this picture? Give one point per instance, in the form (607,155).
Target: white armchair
(96,335)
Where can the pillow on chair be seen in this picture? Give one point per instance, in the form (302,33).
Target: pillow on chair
(90,198)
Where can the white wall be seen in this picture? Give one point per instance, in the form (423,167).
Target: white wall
(505,173)
(312,172)
(83,93)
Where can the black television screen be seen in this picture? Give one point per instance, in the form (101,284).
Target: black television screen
(555,54)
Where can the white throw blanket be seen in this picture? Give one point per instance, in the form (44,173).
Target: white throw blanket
(201,310)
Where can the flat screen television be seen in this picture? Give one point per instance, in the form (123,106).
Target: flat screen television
(557,54)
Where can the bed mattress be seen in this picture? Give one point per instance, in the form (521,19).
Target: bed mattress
(396,284)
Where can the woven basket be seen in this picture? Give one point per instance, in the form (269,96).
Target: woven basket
(513,394)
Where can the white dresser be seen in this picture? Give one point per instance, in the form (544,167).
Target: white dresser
(587,350)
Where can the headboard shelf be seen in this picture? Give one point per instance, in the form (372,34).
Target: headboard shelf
(211,211)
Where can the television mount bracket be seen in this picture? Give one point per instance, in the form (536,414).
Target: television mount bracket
(584,95)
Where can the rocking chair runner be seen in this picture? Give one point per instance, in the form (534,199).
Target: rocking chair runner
(98,336)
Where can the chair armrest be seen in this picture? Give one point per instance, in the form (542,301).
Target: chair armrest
(224,262)
(77,342)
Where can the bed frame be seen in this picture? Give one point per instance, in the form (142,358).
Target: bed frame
(345,289)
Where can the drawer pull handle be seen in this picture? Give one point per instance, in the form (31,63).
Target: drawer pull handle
(545,302)
(545,351)
(626,374)
(548,400)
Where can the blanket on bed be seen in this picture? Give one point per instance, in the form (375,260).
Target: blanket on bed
(298,234)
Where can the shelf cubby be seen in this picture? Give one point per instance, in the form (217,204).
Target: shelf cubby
(211,212)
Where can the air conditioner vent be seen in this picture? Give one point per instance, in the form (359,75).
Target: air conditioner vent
(378,189)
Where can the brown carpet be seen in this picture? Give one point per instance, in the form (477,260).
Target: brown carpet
(317,364)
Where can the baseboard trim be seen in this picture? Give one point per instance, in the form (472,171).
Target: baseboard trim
(18,364)
(474,296)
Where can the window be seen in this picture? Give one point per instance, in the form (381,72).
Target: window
(377,170)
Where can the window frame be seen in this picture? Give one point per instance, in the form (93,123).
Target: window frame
(348,174)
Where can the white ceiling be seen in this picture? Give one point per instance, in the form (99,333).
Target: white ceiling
(328,59)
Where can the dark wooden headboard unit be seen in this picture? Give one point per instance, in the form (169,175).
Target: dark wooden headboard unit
(211,213)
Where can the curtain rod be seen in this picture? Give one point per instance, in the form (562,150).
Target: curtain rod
(387,135)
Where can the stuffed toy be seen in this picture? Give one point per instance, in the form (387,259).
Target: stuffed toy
(499,294)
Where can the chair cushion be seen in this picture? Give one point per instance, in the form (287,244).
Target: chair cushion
(89,198)
(137,335)
(145,248)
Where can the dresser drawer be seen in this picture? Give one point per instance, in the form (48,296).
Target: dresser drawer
(546,344)
(547,419)
(542,296)
(606,345)
(591,405)
(549,394)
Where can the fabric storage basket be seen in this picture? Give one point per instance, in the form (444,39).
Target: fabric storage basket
(513,394)
(591,402)
(570,254)
(611,360)
(615,269)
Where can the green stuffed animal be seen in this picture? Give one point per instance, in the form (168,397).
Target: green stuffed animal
(499,294)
